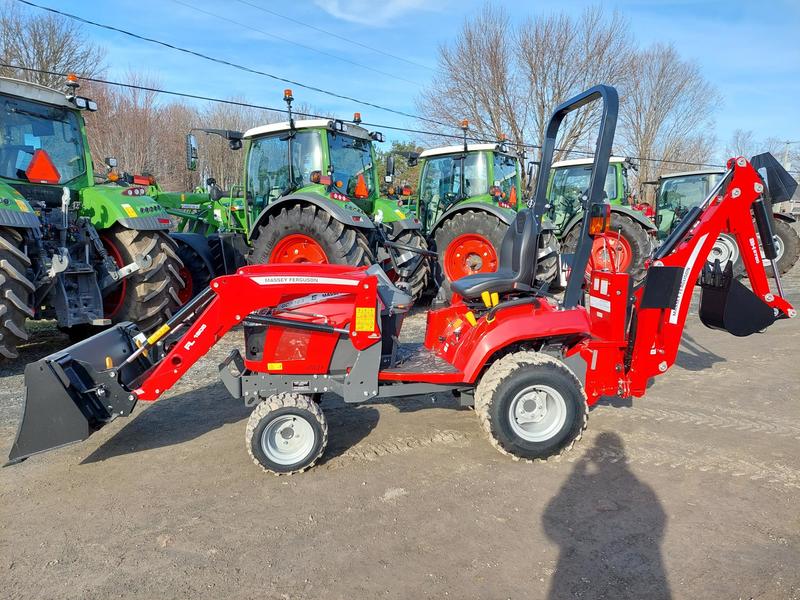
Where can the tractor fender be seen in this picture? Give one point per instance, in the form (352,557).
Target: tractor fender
(788,218)
(18,218)
(198,243)
(351,215)
(506,215)
(636,215)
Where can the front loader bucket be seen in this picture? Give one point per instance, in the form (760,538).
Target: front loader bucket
(72,393)
(727,304)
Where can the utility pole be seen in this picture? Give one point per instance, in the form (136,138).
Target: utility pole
(785,160)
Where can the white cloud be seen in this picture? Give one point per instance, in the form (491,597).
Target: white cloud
(372,12)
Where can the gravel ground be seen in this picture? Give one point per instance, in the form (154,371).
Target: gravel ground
(692,492)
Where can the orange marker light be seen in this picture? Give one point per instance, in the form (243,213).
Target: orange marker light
(72,78)
(465,124)
(356,117)
(287,94)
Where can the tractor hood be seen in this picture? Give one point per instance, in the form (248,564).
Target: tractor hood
(131,207)
(15,211)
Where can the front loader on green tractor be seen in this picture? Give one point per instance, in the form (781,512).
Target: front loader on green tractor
(82,253)
(311,195)
(468,194)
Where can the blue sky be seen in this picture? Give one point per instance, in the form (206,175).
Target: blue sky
(749,50)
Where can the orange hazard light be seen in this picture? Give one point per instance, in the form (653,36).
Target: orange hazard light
(41,169)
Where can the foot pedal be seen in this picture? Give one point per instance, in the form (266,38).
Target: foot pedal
(727,304)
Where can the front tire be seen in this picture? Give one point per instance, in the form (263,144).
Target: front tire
(413,278)
(150,295)
(531,405)
(306,233)
(16,292)
(286,433)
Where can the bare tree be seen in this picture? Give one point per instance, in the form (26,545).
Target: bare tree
(667,112)
(508,80)
(47,42)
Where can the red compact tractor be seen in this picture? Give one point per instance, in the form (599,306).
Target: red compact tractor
(530,364)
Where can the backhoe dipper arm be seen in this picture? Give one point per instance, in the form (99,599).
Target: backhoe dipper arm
(659,313)
(251,289)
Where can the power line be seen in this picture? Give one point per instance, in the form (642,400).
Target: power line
(336,35)
(229,63)
(290,41)
(316,116)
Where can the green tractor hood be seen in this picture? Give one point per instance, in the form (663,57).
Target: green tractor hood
(131,207)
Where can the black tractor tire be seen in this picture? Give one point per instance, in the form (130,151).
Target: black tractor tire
(342,245)
(789,244)
(150,295)
(482,223)
(635,234)
(291,419)
(542,425)
(16,293)
(195,273)
(413,280)
(547,266)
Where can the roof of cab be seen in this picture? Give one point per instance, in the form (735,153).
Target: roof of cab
(34,91)
(350,128)
(460,148)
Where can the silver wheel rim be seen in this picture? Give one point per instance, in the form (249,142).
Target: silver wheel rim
(537,413)
(725,250)
(778,250)
(287,439)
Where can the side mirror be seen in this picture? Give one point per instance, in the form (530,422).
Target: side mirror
(235,144)
(389,169)
(111,162)
(191,152)
(413,159)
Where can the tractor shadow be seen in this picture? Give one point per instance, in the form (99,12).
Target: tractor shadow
(693,356)
(173,421)
(194,413)
(44,340)
(609,527)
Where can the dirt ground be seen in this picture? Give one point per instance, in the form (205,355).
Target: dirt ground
(690,493)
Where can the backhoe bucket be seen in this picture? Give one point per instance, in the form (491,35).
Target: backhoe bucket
(74,392)
(727,304)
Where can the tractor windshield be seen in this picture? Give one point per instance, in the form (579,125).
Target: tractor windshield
(351,159)
(505,172)
(29,126)
(268,165)
(678,195)
(570,183)
(442,179)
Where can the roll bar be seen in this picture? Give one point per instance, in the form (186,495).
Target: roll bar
(602,153)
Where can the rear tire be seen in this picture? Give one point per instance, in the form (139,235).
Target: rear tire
(531,405)
(194,273)
(286,433)
(547,266)
(148,296)
(624,231)
(16,292)
(413,280)
(789,247)
(340,244)
(457,240)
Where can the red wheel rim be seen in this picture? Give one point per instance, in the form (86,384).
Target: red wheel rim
(469,253)
(185,294)
(113,301)
(298,248)
(610,252)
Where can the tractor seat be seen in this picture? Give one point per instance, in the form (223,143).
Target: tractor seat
(518,257)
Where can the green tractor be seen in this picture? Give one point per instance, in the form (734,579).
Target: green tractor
(311,194)
(631,236)
(678,193)
(467,196)
(82,253)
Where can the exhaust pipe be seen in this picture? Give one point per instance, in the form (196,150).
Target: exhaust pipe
(72,393)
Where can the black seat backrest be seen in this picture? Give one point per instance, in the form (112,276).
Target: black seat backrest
(519,249)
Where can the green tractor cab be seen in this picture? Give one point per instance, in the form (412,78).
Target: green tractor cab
(630,238)
(678,193)
(82,253)
(467,196)
(311,194)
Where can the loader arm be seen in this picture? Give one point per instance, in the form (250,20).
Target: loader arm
(252,289)
(638,337)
